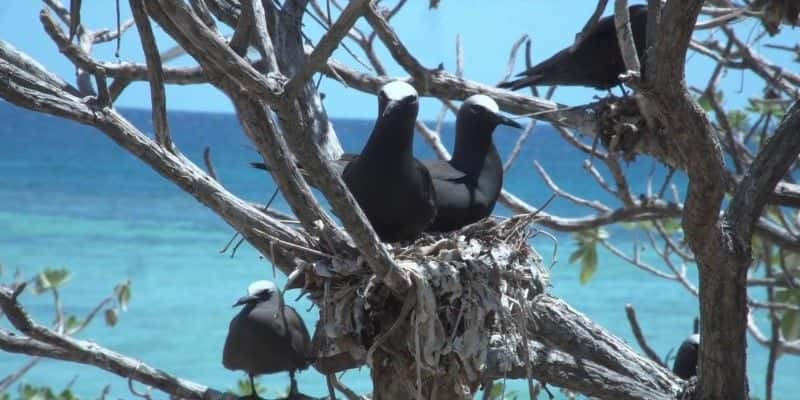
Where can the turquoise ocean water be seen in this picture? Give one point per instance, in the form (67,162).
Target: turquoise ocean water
(69,197)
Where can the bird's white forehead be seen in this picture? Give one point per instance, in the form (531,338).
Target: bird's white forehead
(483,101)
(397,90)
(260,286)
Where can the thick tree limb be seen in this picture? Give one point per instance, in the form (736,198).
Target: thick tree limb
(566,370)
(44,342)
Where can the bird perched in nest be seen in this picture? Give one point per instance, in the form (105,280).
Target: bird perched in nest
(267,336)
(392,187)
(595,61)
(467,186)
(685,365)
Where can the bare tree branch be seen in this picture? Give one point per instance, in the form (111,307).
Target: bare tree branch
(328,43)
(155,74)
(43,342)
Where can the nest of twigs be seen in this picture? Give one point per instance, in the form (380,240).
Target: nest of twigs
(470,287)
(620,125)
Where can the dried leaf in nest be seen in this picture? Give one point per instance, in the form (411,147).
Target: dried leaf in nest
(776,12)
(468,285)
(334,354)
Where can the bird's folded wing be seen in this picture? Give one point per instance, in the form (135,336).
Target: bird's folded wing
(442,170)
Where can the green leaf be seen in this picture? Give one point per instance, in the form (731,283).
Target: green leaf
(243,387)
(30,392)
(51,278)
(496,391)
(737,119)
(123,294)
(588,266)
(705,101)
(576,255)
(672,225)
(586,252)
(791,296)
(111,317)
(72,323)
(790,325)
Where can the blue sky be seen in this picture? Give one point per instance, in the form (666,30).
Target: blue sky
(487,34)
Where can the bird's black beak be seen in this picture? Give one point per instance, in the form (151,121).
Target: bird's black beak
(244,300)
(503,120)
(398,104)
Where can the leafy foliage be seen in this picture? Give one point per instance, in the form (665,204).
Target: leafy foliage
(31,392)
(51,278)
(72,323)
(765,108)
(705,102)
(586,251)
(111,317)
(790,320)
(243,387)
(123,294)
(497,392)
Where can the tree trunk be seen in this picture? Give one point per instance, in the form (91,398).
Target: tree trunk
(723,310)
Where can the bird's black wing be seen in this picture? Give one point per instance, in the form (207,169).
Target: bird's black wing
(267,315)
(301,341)
(428,188)
(440,169)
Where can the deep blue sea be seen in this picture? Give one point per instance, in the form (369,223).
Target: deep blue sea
(70,197)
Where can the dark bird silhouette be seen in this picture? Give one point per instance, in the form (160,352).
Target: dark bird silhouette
(685,365)
(595,61)
(468,185)
(267,336)
(392,187)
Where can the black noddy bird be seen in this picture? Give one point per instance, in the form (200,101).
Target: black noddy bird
(392,187)
(685,365)
(267,336)
(594,61)
(467,186)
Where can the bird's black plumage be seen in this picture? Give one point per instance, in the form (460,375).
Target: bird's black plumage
(392,187)
(467,186)
(685,365)
(267,336)
(595,61)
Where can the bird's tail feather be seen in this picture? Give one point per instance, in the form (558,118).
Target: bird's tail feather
(516,84)
(260,165)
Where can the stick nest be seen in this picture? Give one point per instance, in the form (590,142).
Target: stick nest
(470,287)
